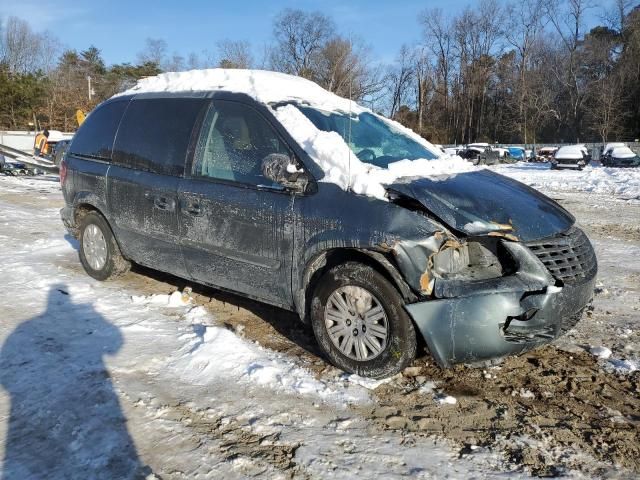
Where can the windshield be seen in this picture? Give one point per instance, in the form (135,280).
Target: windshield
(371,139)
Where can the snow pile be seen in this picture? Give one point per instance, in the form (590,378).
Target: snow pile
(176,300)
(594,179)
(623,367)
(615,365)
(342,167)
(446,400)
(368,383)
(327,149)
(600,352)
(217,354)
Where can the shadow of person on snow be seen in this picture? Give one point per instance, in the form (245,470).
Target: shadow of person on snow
(65,419)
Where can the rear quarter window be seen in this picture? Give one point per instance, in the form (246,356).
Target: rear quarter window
(95,136)
(155,134)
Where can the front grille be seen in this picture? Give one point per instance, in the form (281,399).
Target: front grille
(568,256)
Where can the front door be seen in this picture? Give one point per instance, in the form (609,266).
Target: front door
(236,226)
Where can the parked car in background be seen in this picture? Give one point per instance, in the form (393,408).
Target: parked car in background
(58,151)
(55,137)
(585,152)
(518,153)
(546,153)
(621,157)
(216,176)
(480,155)
(453,150)
(608,148)
(571,156)
(530,155)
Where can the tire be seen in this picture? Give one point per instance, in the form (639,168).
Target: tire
(111,263)
(395,352)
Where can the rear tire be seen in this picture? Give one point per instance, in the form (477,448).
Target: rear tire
(99,252)
(378,305)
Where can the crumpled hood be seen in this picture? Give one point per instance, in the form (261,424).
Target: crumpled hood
(485,203)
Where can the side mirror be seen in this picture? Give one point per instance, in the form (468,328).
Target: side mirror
(281,169)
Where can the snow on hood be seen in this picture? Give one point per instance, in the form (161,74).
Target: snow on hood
(327,149)
(623,152)
(571,152)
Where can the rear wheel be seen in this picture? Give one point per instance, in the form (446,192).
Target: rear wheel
(99,252)
(360,323)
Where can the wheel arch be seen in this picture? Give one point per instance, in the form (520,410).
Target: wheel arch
(327,259)
(85,204)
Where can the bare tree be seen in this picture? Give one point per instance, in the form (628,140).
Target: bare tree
(437,33)
(235,54)
(300,38)
(155,51)
(399,78)
(343,67)
(23,51)
(523,30)
(567,18)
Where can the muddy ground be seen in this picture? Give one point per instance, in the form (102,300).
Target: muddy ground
(548,411)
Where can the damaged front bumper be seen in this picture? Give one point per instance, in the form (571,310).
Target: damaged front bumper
(488,319)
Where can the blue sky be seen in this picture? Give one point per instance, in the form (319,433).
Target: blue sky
(119,28)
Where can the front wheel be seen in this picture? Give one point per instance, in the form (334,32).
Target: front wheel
(99,252)
(359,321)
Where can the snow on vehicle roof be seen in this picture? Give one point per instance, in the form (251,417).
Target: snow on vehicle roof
(570,152)
(262,85)
(623,152)
(327,149)
(612,145)
(57,135)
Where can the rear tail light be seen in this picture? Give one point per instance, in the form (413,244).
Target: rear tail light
(63,171)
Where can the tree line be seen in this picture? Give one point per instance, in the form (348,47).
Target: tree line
(526,71)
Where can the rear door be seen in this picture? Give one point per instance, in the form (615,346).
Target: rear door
(148,161)
(236,226)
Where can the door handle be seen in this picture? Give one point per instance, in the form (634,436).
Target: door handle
(194,209)
(164,203)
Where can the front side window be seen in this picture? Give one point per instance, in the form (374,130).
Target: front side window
(373,140)
(234,141)
(154,134)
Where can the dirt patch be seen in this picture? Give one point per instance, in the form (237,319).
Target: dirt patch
(616,230)
(542,409)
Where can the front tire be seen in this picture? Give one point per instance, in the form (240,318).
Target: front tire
(359,321)
(99,252)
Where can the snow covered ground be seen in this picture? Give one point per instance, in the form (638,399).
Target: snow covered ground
(619,182)
(129,379)
(103,380)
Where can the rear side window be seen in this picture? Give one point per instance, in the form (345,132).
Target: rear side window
(155,134)
(95,137)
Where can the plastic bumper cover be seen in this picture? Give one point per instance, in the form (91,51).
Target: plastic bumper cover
(485,326)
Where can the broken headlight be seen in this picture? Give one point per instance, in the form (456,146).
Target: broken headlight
(473,260)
